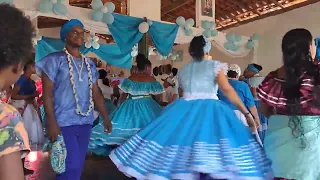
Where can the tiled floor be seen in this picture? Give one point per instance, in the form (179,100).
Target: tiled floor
(96,168)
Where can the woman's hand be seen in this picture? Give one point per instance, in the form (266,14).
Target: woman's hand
(251,122)
(107,125)
(53,130)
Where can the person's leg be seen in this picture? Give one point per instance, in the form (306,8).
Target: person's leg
(72,163)
(11,166)
(83,138)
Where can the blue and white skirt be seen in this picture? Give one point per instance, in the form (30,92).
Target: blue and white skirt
(191,138)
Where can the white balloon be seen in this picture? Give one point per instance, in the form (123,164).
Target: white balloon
(134,53)
(89,39)
(143,27)
(96,45)
(95,38)
(104,9)
(173,57)
(88,45)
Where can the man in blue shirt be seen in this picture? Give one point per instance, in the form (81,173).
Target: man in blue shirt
(70,92)
(243,92)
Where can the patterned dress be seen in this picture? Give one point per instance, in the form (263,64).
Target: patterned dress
(13,136)
(289,159)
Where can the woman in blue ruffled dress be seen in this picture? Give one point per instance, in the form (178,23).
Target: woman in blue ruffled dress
(138,108)
(196,136)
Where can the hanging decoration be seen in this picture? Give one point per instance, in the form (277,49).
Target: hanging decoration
(232,40)
(92,41)
(143,27)
(134,51)
(209,29)
(102,12)
(55,6)
(186,25)
(251,41)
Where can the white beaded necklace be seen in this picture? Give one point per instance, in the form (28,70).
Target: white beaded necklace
(84,60)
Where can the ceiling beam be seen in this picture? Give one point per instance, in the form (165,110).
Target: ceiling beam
(274,13)
(277,3)
(175,5)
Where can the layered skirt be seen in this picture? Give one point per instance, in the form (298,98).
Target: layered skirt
(191,139)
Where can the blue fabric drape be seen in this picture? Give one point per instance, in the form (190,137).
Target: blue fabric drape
(163,36)
(125,32)
(107,52)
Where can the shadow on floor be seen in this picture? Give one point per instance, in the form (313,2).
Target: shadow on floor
(96,168)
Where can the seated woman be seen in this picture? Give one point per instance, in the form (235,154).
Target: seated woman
(289,96)
(23,98)
(137,108)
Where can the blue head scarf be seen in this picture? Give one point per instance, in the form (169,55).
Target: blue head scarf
(252,68)
(66,28)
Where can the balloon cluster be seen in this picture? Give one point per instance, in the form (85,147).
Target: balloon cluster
(6,1)
(92,41)
(102,12)
(134,51)
(209,29)
(55,6)
(186,25)
(173,56)
(232,40)
(250,43)
(144,26)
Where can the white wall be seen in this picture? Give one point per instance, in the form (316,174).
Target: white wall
(272,29)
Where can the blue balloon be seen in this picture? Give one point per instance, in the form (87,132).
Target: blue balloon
(181,21)
(235,47)
(60,9)
(206,33)
(111,7)
(213,24)
(46,6)
(230,37)
(108,18)
(96,5)
(250,45)
(188,32)
(255,37)
(96,16)
(206,24)
(6,2)
(228,45)
(238,37)
(214,33)
(190,22)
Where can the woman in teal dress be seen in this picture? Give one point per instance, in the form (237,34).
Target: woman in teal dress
(138,109)
(289,96)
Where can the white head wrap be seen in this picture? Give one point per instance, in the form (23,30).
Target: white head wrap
(236,68)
